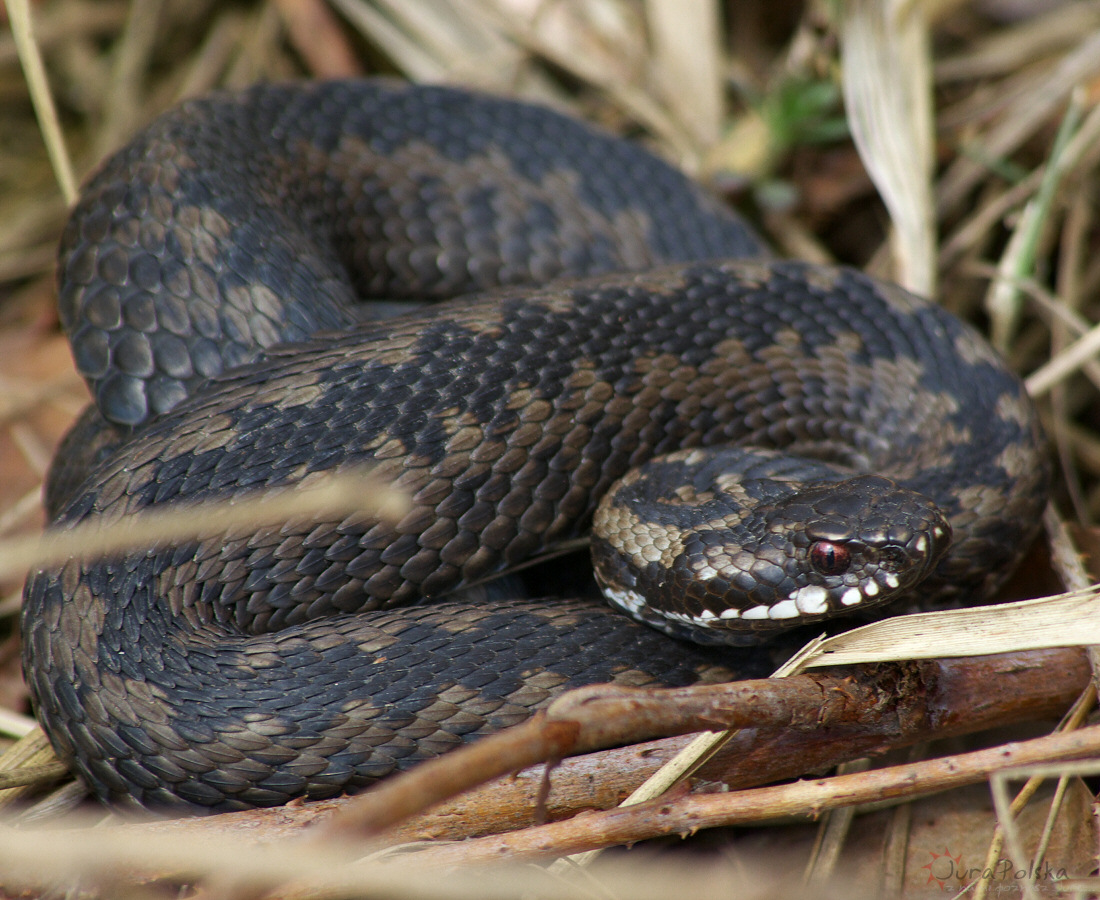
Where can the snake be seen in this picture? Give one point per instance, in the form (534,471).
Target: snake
(588,345)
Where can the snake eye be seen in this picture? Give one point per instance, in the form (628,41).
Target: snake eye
(829,558)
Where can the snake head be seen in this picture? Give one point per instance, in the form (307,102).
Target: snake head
(791,553)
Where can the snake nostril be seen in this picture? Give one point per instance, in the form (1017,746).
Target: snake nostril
(830,558)
(893,558)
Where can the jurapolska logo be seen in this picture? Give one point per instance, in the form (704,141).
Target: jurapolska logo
(946,866)
(942,867)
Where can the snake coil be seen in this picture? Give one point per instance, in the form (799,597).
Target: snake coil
(196,274)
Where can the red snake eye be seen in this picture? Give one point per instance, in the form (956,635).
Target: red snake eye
(829,558)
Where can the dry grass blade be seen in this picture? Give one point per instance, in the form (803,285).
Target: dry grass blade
(57,24)
(1007,808)
(1032,103)
(1066,557)
(406,52)
(22,509)
(435,41)
(1025,625)
(53,770)
(14,724)
(115,861)
(613,59)
(1018,260)
(887,89)
(1073,720)
(28,765)
(131,59)
(343,494)
(687,64)
(1056,370)
(19,14)
(1051,31)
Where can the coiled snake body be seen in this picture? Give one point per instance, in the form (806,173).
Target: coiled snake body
(248,670)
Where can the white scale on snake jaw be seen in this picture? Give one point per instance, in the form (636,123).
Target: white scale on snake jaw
(811,600)
(636,605)
(808,600)
(851,597)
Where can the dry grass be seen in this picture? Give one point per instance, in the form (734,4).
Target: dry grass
(979,132)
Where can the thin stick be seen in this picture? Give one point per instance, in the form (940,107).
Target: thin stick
(343,494)
(19,14)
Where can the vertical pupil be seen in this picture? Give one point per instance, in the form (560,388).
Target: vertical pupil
(829,558)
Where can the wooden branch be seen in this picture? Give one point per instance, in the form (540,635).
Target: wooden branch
(941,698)
(876,706)
(964,696)
(688,814)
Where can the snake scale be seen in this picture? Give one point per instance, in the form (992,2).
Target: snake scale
(604,311)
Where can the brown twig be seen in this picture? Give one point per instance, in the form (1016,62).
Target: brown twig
(689,814)
(797,725)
